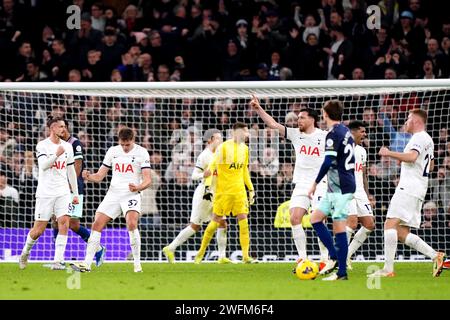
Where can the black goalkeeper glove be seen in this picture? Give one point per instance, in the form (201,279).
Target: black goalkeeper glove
(207,195)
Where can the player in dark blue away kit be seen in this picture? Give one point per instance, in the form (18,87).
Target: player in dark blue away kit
(339,164)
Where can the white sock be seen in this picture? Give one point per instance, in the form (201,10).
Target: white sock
(135,242)
(222,242)
(28,245)
(181,238)
(415,242)
(300,240)
(350,232)
(358,240)
(60,247)
(92,246)
(324,254)
(390,248)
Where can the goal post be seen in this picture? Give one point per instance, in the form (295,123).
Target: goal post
(170,119)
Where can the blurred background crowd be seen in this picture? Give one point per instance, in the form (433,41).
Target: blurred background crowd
(208,40)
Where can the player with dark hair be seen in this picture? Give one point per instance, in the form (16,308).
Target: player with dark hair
(360,209)
(339,165)
(202,208)
(230,170)
(309,144)
(130,164)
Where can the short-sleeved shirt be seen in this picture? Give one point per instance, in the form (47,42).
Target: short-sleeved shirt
(309,154)
(126,167)
(53,181)
(414,176)
(78,154)
(340,145)
(360,163)
(203,160)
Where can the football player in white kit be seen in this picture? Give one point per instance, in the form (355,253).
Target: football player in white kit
(130,165)
(309,143)
(57,177)
(202,208)
(359,208)
(404,211)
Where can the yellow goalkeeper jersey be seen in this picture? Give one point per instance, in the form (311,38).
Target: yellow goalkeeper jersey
(230,169)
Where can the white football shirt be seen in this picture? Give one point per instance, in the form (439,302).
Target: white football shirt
(203,161)
(309,154)
(360,163)
(53,182)
(126,167)
(414,176)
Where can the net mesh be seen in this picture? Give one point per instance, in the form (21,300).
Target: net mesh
(170,124)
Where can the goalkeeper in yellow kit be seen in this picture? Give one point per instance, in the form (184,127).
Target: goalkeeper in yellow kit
(230,169)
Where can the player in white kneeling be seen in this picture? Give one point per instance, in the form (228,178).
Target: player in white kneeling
(404,211)
(202,208)
(309,144)
(53,196)
(130,164)
(359,208)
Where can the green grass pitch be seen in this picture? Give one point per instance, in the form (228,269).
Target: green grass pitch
(219,282)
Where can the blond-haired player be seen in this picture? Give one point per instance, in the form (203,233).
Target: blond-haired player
(230,168)
(405,208)
(202,208)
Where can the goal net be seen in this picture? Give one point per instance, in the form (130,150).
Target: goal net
(170,119)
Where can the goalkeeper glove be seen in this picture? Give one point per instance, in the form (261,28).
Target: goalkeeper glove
(251,197)
(207,195)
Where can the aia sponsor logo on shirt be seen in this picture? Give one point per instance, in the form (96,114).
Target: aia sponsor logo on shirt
(59,165)
(310,151)
(236,166)
(358,167)
(123,168)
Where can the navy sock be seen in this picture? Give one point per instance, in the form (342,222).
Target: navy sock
(325,237)
(84,233)
(55,233)
(342,246)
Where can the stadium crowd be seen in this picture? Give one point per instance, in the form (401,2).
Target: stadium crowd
(216,40)
(170,40)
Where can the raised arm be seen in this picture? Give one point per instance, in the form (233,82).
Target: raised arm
(96,177)
(268,120)
(410,156)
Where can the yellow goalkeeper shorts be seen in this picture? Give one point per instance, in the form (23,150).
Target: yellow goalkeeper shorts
(226,204)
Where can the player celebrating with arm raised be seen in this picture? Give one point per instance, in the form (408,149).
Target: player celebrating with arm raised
(339,164)
(309,144)
(53,197)
(230,167)
(404,211)
(360,209)
(76,211)
(202,208)
(131,174)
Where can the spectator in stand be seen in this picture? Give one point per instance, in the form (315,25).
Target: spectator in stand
(74,75)
(338,60)
(439,60)
(34,74)
(97,17)
(83,40)
(111,52)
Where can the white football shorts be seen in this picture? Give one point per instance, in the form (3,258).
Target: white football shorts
(115,204)
(47,207)
(300,199)
(360,207)
(201,209)
(405,207)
